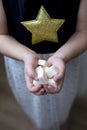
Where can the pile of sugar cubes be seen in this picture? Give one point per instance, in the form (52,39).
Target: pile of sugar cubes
(45,74)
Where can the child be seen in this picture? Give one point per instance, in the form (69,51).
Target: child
(50,109)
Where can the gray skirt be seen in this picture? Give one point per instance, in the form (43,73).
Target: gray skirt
(49,111)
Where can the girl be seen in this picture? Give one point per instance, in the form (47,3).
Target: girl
(50,109)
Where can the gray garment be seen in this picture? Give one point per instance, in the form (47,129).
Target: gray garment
(48,112)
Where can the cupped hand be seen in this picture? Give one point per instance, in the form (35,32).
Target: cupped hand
(30,63)
(59,77)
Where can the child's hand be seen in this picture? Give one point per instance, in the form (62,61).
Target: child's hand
(59,78)
(30,63)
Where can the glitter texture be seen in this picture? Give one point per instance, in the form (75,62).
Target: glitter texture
(43,27)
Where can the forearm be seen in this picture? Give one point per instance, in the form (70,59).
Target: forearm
(12,48)
(76,45)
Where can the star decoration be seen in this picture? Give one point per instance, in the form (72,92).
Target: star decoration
(43,27)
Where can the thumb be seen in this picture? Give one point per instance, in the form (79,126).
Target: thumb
(49,62)
(30,71)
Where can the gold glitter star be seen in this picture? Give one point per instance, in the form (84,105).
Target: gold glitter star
(43,27)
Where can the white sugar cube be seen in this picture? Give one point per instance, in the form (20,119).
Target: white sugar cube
(41,75)
(42,62)
(51,71)
(36,83)
(52,82)
(45,68)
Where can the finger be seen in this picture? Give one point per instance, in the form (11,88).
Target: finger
(31,87)
(30,72)
(58,76)
(51,89)
(35,89)
(41,92)
(60,84)
(48,63)
(46,88)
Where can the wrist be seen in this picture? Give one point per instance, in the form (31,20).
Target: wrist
(62,57)
(26,53)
